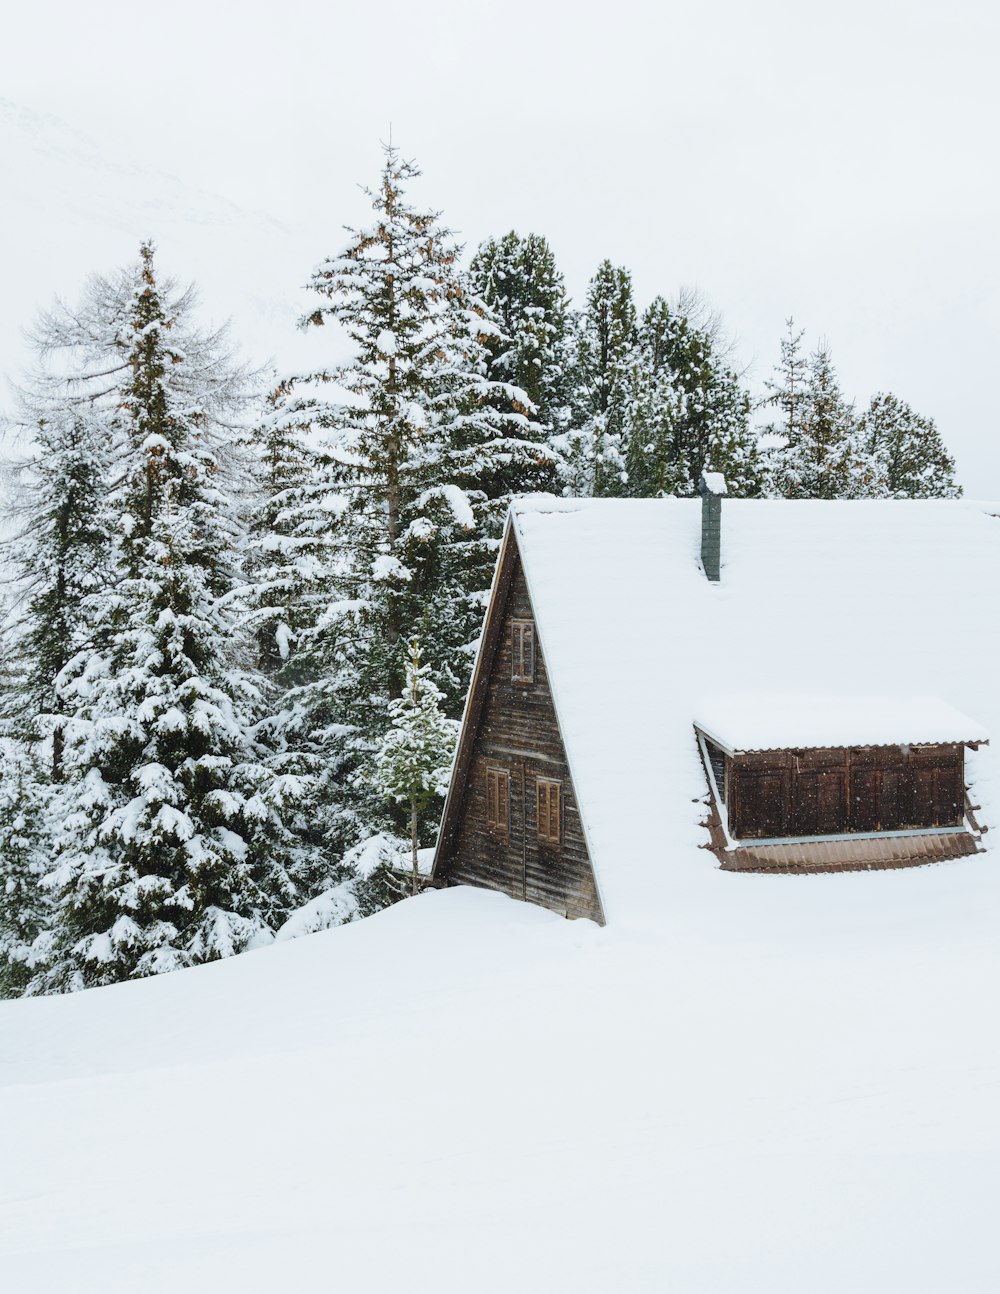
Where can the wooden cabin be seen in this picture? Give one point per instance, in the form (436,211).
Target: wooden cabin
(514,825)
(659,681)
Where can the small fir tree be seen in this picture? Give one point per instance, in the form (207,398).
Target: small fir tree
(412,763)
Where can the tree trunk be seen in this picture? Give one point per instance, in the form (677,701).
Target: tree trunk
(413,842)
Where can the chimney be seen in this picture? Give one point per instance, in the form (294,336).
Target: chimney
(711,487)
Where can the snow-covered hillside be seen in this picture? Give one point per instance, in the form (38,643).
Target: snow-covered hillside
(779,1084)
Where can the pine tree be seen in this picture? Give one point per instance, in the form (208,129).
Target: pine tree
(24,905)
(902,453)
(788,393)
(822,465)
(689,410)
(518,280)
(814,454)
(173,847)
(413,761)
(596,445)
(420,453)
(60,555)
(291,569)
(289,548)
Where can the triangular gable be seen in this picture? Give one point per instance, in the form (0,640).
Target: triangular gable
(511,732)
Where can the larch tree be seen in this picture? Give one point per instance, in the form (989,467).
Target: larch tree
(173,848)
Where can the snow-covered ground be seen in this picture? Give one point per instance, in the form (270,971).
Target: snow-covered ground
(780,1084)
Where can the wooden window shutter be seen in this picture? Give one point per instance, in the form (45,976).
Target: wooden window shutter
(522,641)
(498,800)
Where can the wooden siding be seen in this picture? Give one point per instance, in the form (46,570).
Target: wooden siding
(829,792)
(860,853)
(513,726)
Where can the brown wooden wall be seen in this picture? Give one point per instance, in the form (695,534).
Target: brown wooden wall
(827,792)
(518,731)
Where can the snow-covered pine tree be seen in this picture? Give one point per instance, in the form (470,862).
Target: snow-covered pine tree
(59,556)
(24,905)
(55,560)
(413,760)
(291,558)
(173,847)
(689,409)
(518,280)
(596,445)
(290,548)
(822,465)
(420,447)
(817,455)
(786,403)
(902,454)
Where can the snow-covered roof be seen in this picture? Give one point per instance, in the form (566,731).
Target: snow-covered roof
(852,600)
(788,720)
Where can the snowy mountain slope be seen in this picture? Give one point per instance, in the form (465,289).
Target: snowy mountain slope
(783,1083)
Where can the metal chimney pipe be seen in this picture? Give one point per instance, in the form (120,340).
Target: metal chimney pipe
(711,487)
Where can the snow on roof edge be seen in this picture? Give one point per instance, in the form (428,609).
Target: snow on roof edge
(553,690)
(746,724)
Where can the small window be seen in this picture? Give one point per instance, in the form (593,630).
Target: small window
(549,811)
(523,645)
(498,800)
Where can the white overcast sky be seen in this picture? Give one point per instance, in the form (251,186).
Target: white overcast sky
(835,162)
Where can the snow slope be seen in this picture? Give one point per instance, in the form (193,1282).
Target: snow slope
(784,1084)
